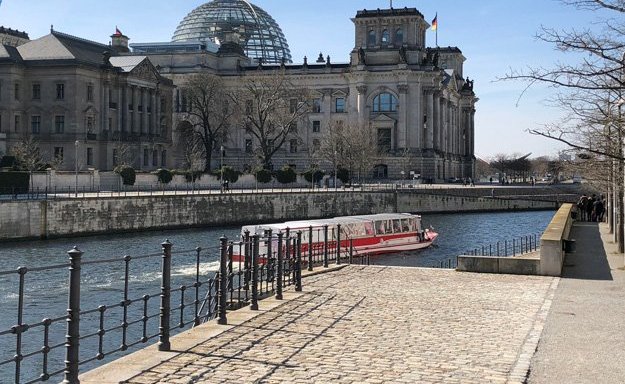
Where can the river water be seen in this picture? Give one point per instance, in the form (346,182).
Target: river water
(46,291)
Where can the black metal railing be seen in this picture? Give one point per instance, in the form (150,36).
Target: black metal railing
(82,191)
(451,263)
(153,311)
(514,247)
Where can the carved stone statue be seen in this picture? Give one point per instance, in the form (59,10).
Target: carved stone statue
(402,55)
(361,56)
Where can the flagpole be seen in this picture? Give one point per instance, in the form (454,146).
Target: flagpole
(436,17)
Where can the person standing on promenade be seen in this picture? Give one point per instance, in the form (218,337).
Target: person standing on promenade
(598,209)
(581,206)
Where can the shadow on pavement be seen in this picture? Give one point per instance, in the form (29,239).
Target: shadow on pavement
(589,261)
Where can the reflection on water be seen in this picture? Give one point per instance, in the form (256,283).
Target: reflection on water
(46,291)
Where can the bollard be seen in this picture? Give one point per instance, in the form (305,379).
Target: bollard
(222,287)
(255,250)
(270,264)
(338,244)
(279,271)
(325,246)
(165,309)
(72,341)
(310,248)
(288,250)
(298,263)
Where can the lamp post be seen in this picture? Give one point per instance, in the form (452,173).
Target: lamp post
(76,143)
(221,167)
(335,170)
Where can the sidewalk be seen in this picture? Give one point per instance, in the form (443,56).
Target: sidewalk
(583,340)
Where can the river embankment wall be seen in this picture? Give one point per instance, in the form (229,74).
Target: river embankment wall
(89,216)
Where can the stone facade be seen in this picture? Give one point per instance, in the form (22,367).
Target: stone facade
(83,104)
(412,99)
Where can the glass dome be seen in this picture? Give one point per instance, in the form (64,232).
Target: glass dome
(261,35)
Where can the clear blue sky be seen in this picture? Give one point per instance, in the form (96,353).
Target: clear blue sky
(494,35)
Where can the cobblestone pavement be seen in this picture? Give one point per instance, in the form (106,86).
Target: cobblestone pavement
(379,325)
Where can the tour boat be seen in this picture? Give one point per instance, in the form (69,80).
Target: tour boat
(366,234)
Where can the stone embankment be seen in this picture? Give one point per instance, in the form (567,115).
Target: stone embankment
(95,215)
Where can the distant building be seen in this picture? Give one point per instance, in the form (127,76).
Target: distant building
(80,98)
(414,100)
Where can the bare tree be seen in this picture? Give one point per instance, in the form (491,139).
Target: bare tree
(210,111)
(272,106)
(28,155)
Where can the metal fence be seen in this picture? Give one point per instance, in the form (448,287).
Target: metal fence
(243,278)
(163,190)
(514,247)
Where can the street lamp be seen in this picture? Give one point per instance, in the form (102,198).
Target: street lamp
(76,143)
(221,167)
(335,167)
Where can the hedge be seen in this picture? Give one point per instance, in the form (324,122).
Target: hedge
(14,182)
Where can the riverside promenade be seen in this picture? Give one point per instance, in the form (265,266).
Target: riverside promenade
(370,324)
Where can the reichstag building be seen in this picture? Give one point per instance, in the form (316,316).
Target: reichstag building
(85,100)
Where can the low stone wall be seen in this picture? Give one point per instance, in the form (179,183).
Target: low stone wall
(85,216)
(552,241)
(547,263)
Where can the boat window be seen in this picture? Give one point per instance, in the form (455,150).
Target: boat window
(379,227)
(413,224)
(389,226)
(369,228)
(405,225)
(396,225)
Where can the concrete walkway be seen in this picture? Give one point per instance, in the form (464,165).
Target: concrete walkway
(584,336)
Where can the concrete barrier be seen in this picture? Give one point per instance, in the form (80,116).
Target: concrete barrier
(522,265)
(552,242)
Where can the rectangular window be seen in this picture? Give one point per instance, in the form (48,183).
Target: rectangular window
(59,124)
(293,146)
(60,91)
(89,156)
(249,107)
(115,157)
(316,126)
(384,140)
(339,105)
(89,92)
(58,153)
(17,123)
(36,91)
(316,106)
(249,148)
(0,123)
(146,157)
(110,124)
(16,90)
(270,144)
(90,123)
(35,124)
(293,106)
(155,158)
(164,158)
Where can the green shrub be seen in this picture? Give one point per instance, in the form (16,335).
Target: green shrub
(343,175)
(127,174)
(8,162)
(14,182)
(229,174)
(286,175)
(263,175)
(313,175)
(164,175)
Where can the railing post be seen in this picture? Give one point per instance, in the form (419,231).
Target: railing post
(310,248)
(351,251)
(270,264)
(247,262)
(325,246)
(223,281)
(298,263)
(255,255)
(72,338)
(338,244)
(279,271)
(165,309)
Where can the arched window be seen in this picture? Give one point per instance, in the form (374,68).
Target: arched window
(385,102)
(399,37)
(371,39)
(385,37)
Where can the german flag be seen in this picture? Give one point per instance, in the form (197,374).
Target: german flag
(435,23)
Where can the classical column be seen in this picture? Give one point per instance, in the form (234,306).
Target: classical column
(152,126)
(429,134)
(122,108)
(362,104)
(402,129)
(445,124)
(105,108)
(436,123)
(135,109)
(145,103)
(157,113)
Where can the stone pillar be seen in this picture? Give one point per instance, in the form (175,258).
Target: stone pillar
(105,108)
(157,113)
(153,115)
(429,130)
(436,121)
(135,110)
(145,116)
(122,108)
(362,104)
(402,128)
(445,124)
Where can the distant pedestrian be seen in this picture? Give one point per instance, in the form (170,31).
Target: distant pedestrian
(471,182)
(491,180)
(492,193)
(589,208)
(581,207)
(598,210)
